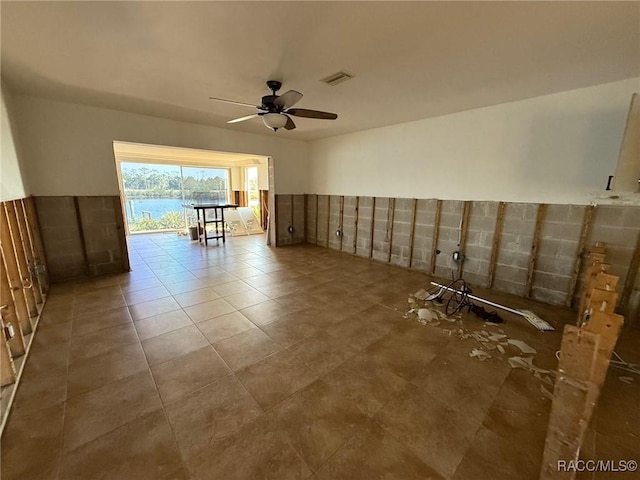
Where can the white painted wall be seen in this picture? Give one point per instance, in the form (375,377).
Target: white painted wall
(263,176)
(12,185)
(558,148)
(68,148)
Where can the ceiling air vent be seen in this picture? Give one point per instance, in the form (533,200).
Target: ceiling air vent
(336,78)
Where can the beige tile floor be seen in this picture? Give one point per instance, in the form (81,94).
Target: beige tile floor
(246,362)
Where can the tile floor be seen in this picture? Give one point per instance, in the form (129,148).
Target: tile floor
(246,362)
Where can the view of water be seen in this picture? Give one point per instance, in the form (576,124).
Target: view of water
(156,207)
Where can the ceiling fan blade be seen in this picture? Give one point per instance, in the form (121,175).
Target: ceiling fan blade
(289,125)
(234,102)
(288,99)
(242,119)
(303,112)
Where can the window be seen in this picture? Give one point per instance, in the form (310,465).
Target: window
(154,194)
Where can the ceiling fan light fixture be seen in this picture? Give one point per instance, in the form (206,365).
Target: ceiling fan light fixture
(274,120)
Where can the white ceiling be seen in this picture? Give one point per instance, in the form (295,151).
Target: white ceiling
(410,60)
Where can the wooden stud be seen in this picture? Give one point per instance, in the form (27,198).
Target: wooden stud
(23,216)
(373,224)
(7,369)
(317,219)
(292,211)
(41,258)
(355,226)
(16,344)
(605,281)
(542,209)
(306,222)
(341,225)
(495,246)
(83,243)
(464,230)
(630,281)
(328,217)
(276,219)
(414,211)
(34,224)
(608,326)
(590,280)
(584,360)
(27,246)
(572,395)
(598,248)
(586,228)
(14,249)
(602,300)
(436,233)
(392,213)
(10,266)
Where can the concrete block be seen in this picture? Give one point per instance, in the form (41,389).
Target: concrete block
(453,207)
(475,279)
(609,215)
(555,265)
(564,231)
(551,297)
(509,287)
(451,220)
(514,258)
(420,265)
(511,273)
(631,217)
(615,236)
(552,282)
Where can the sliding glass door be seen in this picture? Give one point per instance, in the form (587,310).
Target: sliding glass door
(154,195)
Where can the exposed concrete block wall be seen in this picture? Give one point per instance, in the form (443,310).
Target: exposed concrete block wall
(619,228)
(423,234)
(382,229)
(61,237)
(448,238)
(312,215)
(290,214)
(81,241)
(515,248)
(479,245)
(549,275)
(365,215)
(557,250)
(401,235)
(102,234)
(335,222)
(322,220)
(348,224)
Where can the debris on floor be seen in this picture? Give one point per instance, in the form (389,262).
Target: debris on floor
(479,354)
(628,380)
(490,343)
(421,294)
(523,347)
(426,314)
(525,363)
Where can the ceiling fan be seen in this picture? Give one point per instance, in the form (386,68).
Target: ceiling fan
(276,110)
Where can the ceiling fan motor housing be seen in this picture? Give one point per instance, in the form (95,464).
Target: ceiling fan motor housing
(267,103)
